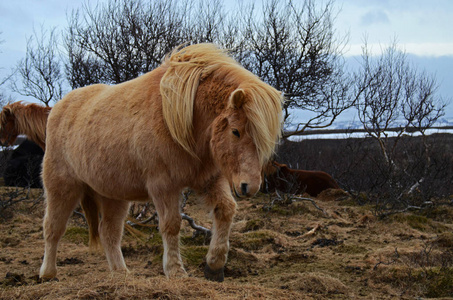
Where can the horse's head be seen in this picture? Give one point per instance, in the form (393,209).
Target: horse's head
(8,130)
(281,169)
(234,149)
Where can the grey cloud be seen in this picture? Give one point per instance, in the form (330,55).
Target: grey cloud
(374,17)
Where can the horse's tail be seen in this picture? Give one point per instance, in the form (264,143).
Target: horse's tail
(90,206)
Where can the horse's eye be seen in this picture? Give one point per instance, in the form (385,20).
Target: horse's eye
(236,132)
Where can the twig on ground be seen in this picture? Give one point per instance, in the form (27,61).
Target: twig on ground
(198,228)
(153,217)
(312,202)
(397,256)
(407,208)
(312,232)
(190,220)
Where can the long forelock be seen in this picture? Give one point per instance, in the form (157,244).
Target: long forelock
(264,113)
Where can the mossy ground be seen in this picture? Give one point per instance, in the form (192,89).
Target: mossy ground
(288,251)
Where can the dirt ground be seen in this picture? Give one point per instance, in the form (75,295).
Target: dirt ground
(278,251)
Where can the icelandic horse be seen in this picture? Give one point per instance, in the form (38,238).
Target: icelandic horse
(28,119)
(200,120)
(280,177)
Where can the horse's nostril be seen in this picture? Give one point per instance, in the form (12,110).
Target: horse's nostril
(244,188)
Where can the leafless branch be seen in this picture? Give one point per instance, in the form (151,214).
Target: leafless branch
(39,74)
(198,228)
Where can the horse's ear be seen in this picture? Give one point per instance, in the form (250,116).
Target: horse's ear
(284,168)
(279,165)
(275,163)
(237,98)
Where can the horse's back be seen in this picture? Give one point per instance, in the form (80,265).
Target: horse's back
(316,181)
(326,181)
(95,135)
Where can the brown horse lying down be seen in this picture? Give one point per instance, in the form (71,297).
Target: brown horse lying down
(279,177)
(19,118)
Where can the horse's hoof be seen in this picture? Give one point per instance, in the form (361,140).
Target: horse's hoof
(178,273)
(46,279)
(213,275)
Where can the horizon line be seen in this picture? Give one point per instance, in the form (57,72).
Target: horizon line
(419,49)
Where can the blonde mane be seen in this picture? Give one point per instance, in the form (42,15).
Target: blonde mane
(29,119)
(186,67)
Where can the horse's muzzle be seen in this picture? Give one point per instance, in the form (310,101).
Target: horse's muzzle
(244,190)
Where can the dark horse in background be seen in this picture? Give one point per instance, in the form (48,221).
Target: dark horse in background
(280,177)
(23,165)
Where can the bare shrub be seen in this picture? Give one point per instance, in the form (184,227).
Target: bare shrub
(40,74)
(12,197)
(428,271)
(358,167)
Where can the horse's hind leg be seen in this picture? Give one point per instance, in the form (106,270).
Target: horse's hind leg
(62,197)
(223,207)
(113,213)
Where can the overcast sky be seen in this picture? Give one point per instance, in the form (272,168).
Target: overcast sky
(421,27)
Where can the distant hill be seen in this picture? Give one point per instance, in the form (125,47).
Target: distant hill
(345,129)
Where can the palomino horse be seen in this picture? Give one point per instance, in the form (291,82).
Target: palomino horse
(200,120)
(19,118)
(279,177)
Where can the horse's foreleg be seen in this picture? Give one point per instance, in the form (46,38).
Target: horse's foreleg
(113,213)
(223,208)
(169,226)
(61,200)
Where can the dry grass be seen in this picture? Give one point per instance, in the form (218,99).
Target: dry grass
(288,252)
(133,286)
